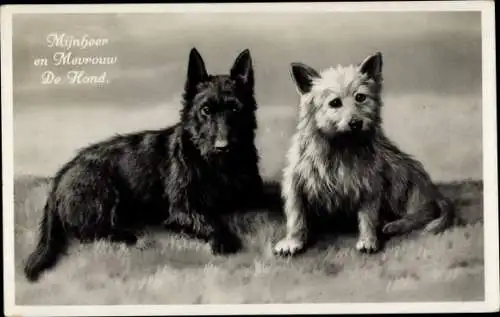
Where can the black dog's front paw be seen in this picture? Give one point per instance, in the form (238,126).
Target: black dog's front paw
(126,237)
(225,244)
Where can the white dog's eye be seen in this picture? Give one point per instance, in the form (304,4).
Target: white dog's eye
(359,97)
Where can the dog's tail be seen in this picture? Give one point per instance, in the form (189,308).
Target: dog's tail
(446,217)
(52,242)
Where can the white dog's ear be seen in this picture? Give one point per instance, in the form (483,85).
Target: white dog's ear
(372,66)
(303,76)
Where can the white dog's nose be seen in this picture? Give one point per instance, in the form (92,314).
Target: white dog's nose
(355,124)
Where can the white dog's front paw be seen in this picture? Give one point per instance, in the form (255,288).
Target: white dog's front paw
(288,246)
(367,244)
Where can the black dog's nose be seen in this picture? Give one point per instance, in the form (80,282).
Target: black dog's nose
(355,124)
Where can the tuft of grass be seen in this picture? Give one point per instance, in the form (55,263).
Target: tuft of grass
(165,268)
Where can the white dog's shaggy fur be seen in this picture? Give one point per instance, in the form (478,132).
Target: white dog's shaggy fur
(341,161)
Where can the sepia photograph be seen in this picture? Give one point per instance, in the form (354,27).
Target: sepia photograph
(249,158)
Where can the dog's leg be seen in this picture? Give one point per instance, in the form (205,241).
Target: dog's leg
(222,240)
(419,211)
(368,220)
(127,237)
(252,196)
(189,210)
(120,230)
(297,233)
(256,197)
(202,225)
(96,213)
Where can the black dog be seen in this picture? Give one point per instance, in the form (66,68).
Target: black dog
(183,176)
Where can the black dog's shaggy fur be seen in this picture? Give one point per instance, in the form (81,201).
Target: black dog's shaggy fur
(182,176)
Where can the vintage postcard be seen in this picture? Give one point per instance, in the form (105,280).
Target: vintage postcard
(266,158)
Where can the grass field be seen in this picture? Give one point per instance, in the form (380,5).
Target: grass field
(169,269)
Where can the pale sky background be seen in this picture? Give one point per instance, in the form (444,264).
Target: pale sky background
(432,71)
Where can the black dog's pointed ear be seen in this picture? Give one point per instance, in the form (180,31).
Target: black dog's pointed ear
(372,66)
(303,76)
(197,72)
(242,69)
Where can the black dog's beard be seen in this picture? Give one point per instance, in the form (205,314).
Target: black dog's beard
(215,154)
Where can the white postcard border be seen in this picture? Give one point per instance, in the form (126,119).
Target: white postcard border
(490,175)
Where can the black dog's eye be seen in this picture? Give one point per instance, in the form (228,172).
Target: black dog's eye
(360,97)
(205,111)
(336,103)
(235,109)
